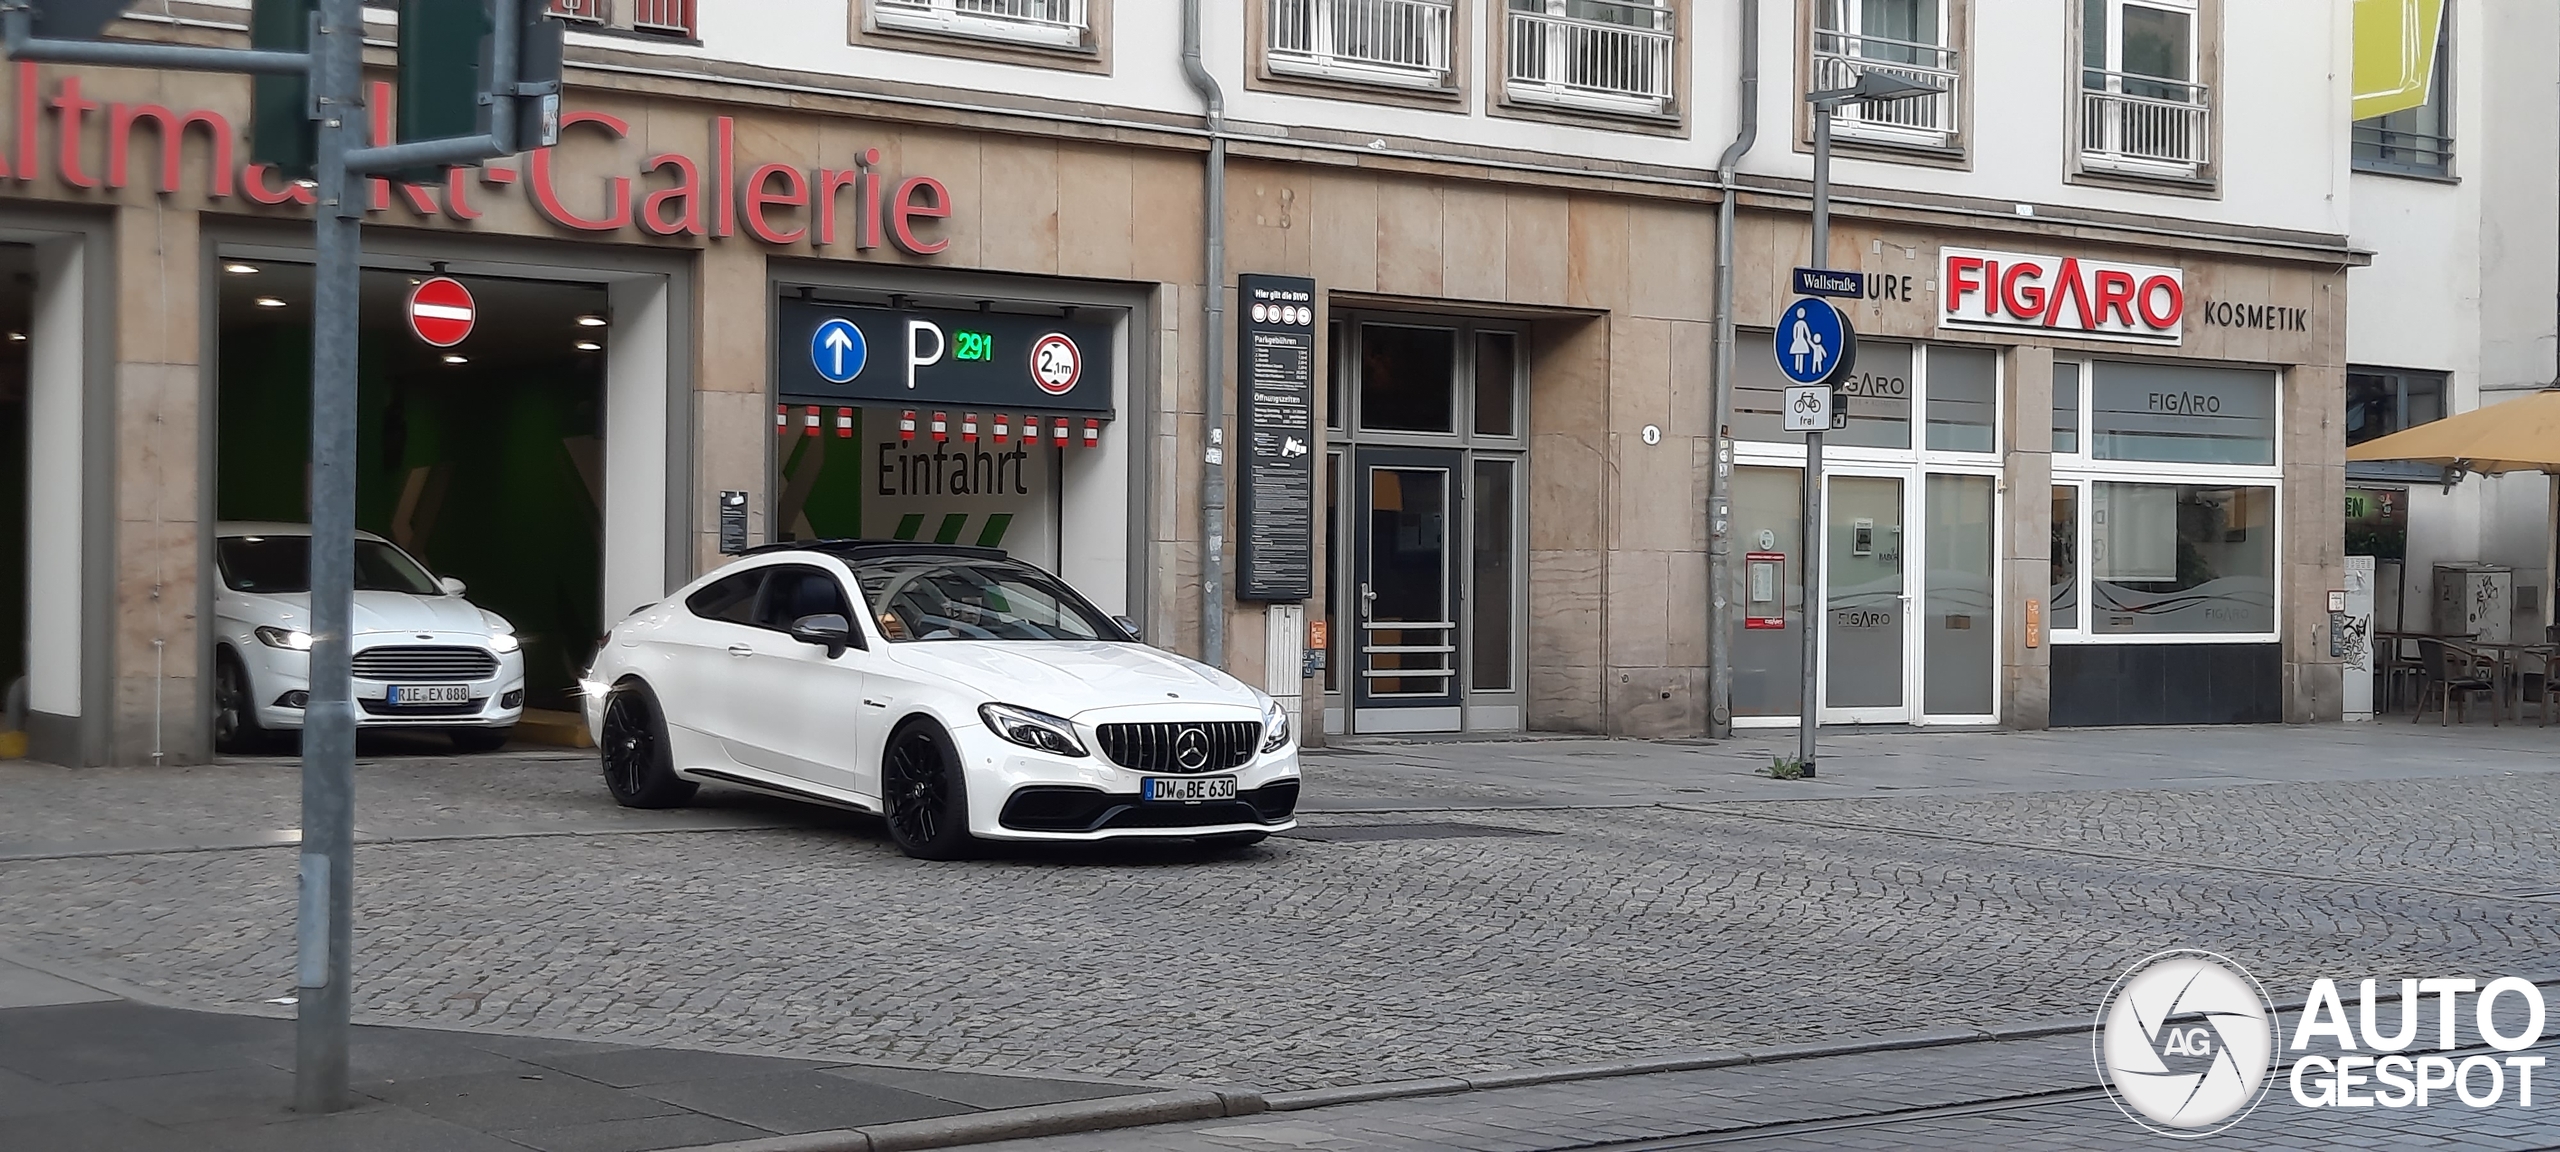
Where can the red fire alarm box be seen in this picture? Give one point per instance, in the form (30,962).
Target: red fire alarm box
(1764,590)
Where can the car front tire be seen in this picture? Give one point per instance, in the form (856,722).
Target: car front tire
(235,712)
(923,795)
(639,768)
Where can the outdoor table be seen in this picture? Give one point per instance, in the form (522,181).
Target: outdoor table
(2509,658)
(2391,660)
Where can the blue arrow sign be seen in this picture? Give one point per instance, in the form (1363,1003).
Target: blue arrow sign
(836,350)
(1811,339)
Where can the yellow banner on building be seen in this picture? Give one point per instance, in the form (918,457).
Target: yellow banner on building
(2395,53)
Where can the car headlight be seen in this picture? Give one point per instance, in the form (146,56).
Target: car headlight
(293,639)
(504,642)
(1032,729)
(1275,726)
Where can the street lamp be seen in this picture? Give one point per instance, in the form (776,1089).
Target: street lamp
(1871,87)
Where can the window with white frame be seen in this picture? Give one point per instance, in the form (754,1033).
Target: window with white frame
(1906,39)
(2144,109)
(2164,503)
(1591,55)
(2414,141)
(1405,43)
(1040,23)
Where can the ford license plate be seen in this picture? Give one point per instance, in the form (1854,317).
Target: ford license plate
(428,694)
(1190,789)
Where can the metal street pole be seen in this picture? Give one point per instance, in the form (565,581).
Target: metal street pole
(324,928)
(1813,455)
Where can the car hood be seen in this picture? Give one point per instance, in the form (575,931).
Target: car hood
(1065,677)
(375,612)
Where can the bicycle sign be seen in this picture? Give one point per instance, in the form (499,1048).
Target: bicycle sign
(1808,408)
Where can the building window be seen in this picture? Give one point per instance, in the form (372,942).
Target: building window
(2181,558)
(1908,39)
(1591,55)
(654,17)
(2418,140)
(1405,43)
(1040,23)
(2383,401)
(2143,109)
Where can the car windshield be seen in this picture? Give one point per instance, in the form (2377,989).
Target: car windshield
(273,564)
(949,598)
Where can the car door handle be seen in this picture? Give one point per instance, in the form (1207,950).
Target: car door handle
(741,650)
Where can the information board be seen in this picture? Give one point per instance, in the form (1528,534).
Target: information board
(943,358)
(1276,383)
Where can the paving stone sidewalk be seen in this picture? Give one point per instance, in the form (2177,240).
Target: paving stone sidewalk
(82,1070)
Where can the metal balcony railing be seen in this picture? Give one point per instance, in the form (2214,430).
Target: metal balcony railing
(1616,58)
(1928,121)
(579,11)
(1048,23)
(2144,125)
(1403,42)
(2381,149)
(668,17)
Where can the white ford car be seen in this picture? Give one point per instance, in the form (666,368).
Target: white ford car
(959,694)
(424,656)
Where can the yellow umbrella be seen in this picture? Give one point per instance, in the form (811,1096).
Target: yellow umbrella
(2521,435)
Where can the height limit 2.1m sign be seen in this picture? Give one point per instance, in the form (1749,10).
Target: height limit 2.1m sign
(1276,496)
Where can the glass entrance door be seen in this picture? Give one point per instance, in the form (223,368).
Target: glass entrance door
(1404,598)
(1867,605)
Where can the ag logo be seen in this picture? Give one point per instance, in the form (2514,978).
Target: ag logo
(2184,1043)
(1191,749)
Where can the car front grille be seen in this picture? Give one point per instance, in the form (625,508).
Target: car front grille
(1184,746)
(424,665)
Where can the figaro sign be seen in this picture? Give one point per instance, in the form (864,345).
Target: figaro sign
(2098,299)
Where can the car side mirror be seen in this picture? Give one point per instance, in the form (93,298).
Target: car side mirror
(1127,625)
(451,586)
(827,630)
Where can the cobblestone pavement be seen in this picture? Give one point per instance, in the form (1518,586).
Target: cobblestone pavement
(491,898)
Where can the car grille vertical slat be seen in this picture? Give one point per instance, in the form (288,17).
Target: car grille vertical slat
(1157,746)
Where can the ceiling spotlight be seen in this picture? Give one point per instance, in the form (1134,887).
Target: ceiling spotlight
(241,269)
(589,346)
(270,302)
(17,337)
(451,358)
(590,321)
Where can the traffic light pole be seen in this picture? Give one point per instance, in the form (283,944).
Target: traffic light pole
(334,64)
(324,929)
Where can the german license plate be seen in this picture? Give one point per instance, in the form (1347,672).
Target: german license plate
(428,694)
(1190,789)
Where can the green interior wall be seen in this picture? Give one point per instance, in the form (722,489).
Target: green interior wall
(834,504)
(516,522)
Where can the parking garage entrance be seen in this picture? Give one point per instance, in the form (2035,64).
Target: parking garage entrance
(484,459)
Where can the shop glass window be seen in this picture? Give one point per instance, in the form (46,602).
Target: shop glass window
(1963,397)
(1333,373)
(2416,141)
(1879,397)
(1759,391)
(1491,575)
(1407,377)
(1336,550)
(2176,559)
(1958,627)
(1497,384)
(2382,401)
(2178,414)
(2066,407)
(1768,590)
(2062,576)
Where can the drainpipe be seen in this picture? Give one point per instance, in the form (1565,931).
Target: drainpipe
(1720,476)
(1213,339)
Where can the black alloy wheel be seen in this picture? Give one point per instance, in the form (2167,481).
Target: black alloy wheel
(235,715)
(638,768)
(924,797)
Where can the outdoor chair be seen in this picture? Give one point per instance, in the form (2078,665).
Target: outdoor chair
(2453,672)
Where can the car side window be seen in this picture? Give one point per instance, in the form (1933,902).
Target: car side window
(730,598)
(797,590)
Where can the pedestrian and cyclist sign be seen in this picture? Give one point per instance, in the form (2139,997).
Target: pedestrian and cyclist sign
(1815,347)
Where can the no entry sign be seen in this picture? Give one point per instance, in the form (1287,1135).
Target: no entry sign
(441,312)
